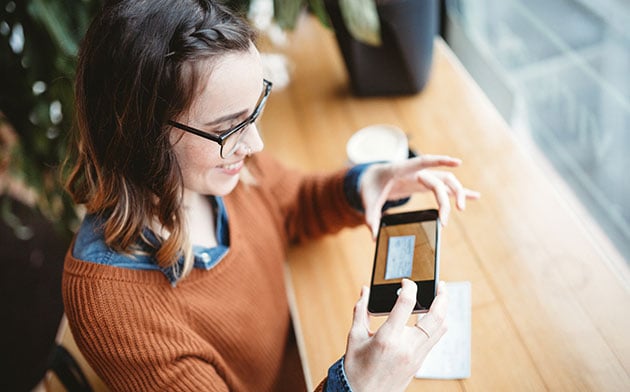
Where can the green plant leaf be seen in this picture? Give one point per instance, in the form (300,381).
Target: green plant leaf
(56,19)
(319,9)
(361,19)
(286,12)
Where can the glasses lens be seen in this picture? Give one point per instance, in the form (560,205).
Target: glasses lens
(233,141)
(231,144)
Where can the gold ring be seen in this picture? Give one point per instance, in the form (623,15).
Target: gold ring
(424,331)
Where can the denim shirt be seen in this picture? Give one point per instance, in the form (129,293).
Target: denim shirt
(90,246)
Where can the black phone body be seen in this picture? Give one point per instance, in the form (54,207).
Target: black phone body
(407,246)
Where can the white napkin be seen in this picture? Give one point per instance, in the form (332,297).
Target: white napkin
(450,358)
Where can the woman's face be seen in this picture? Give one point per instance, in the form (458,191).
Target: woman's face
(229,94)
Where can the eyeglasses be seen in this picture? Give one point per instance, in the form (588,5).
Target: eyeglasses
(230,139)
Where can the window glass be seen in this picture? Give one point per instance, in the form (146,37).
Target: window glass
(559,72)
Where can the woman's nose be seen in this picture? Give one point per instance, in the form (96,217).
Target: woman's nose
(251,142)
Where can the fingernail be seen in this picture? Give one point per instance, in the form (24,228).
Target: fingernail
(409,281)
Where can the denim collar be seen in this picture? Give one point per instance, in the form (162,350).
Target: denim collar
(90,246)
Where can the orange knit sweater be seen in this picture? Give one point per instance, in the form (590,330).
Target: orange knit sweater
(219,329)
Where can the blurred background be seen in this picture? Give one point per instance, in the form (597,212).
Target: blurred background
(556,70)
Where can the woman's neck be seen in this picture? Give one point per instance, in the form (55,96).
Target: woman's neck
(200,219)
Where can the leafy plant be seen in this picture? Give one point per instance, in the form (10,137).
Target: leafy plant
(39,40)
(360,16)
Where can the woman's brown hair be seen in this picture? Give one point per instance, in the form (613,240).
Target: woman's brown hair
(138,68)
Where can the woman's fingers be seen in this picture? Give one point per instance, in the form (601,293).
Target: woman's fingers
(392,181)
(432,325)
(441,192)
(423,162)
(360,321)
(374,207)
(457,190)
(402,308)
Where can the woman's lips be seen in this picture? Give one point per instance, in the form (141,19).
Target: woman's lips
(231,168)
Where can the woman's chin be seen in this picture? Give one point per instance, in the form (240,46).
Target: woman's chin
(226,187)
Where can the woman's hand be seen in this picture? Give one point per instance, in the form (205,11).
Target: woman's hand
(397,180)
(387,360)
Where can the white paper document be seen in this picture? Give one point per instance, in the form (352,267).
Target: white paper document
(450,358)
(400,256)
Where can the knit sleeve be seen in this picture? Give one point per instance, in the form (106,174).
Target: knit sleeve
(309,205)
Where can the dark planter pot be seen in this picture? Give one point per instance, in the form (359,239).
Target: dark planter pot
(401,65)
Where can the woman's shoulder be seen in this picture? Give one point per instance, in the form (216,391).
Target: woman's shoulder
(90,246)
(89,243)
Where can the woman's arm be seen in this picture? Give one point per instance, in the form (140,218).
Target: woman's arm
(308,205)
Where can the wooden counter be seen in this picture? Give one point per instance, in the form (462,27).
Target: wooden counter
(550,295)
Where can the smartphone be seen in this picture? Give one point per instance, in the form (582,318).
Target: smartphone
(407,246)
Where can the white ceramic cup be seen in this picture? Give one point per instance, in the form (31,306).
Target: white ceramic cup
(378,142)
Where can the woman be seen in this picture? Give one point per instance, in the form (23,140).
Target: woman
(175,278)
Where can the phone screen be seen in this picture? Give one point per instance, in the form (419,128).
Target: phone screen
(407,247)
